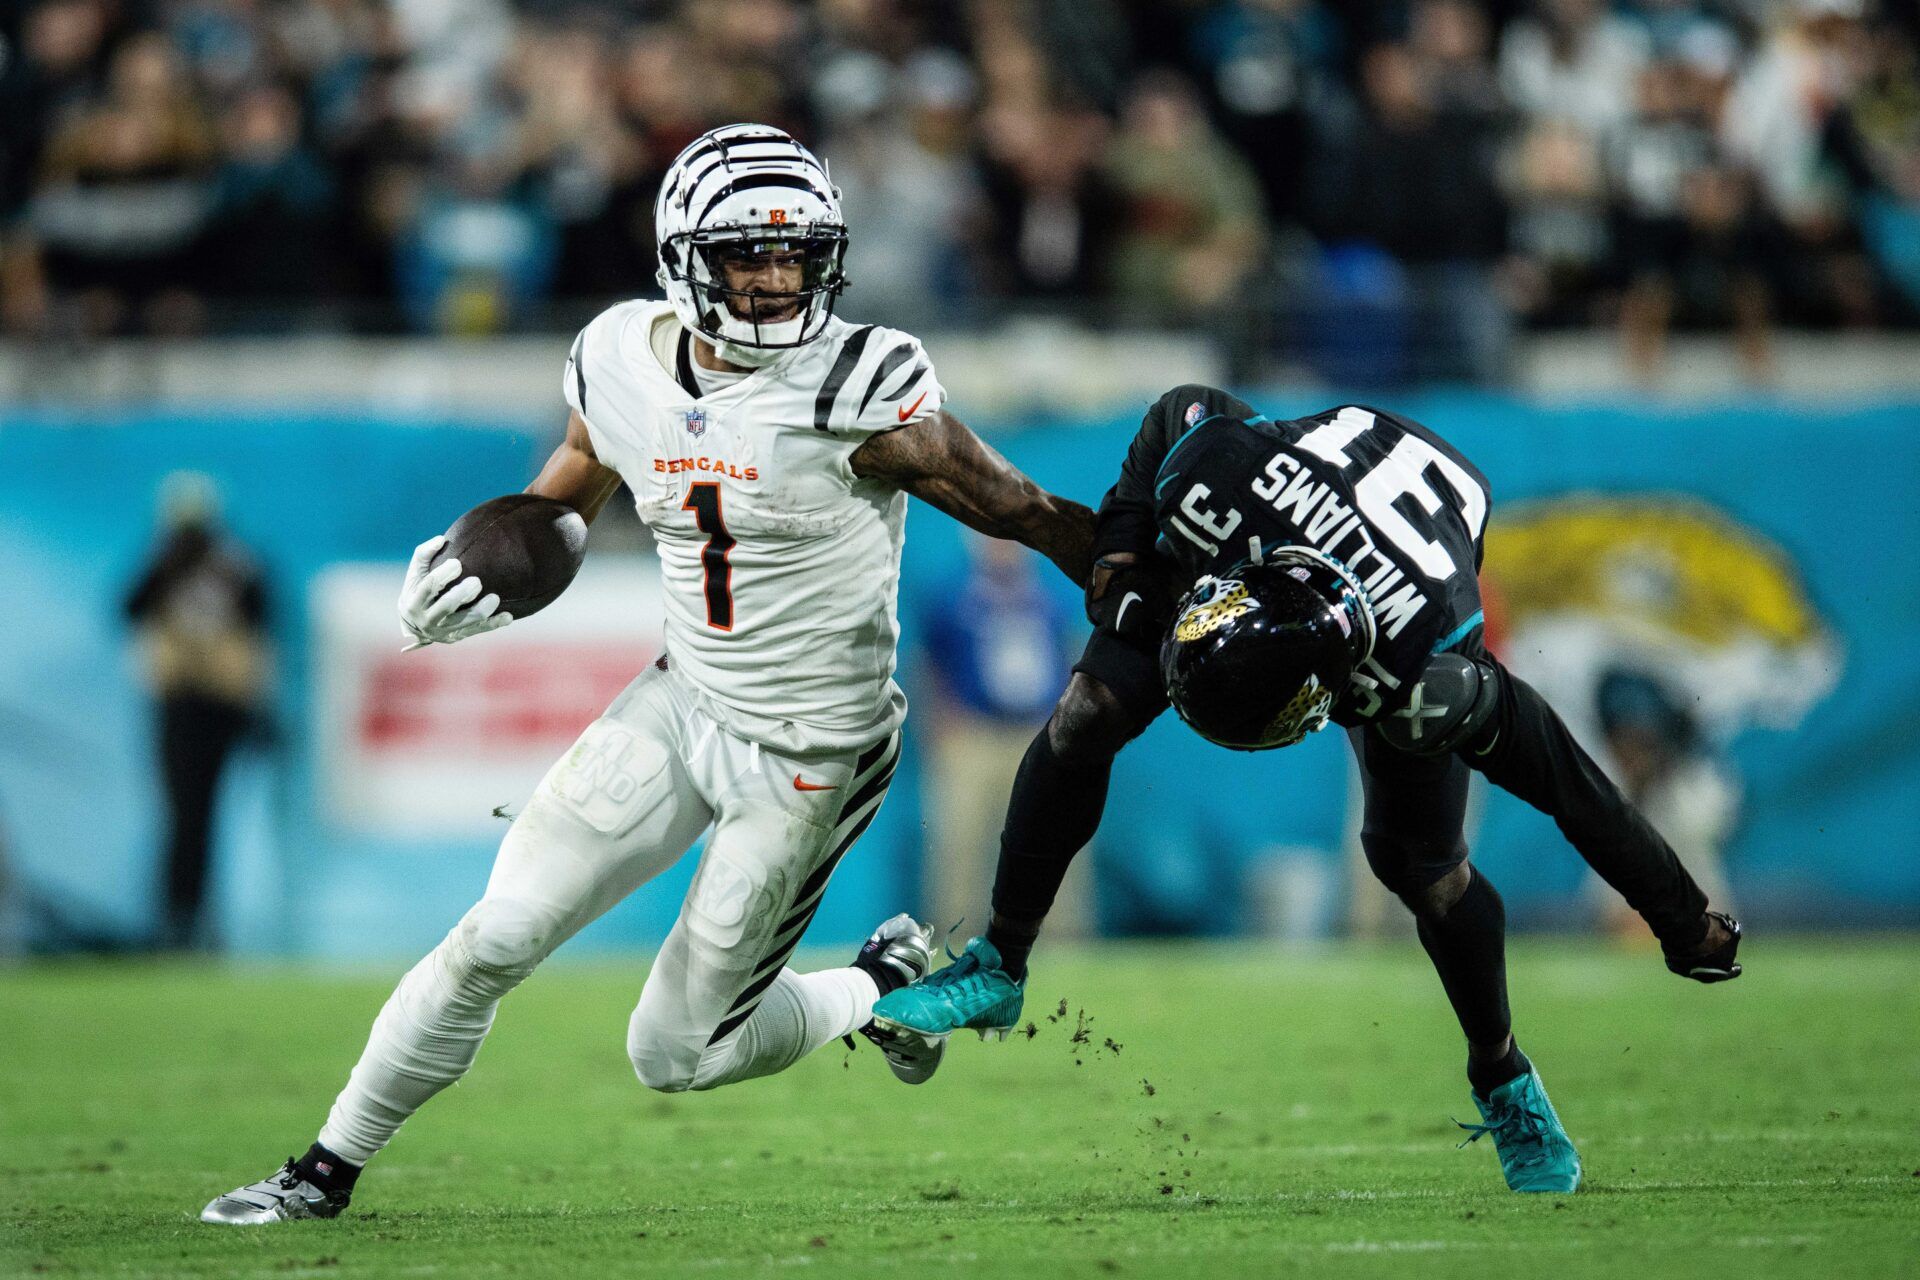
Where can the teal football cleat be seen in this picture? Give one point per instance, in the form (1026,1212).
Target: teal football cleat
(973,993)
(1535,1152)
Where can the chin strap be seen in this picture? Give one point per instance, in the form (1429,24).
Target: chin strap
(744,356)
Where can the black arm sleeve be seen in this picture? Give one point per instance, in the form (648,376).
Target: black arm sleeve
(1125,522)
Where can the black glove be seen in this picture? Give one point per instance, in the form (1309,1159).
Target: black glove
(1717,965)
(1134,600)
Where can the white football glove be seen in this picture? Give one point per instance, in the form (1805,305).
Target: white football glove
(440,607)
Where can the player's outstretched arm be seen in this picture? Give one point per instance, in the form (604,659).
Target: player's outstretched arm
(943,463)
(575,475)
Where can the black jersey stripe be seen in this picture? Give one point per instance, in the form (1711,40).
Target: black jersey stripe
(892,361)
(865,793)
(816,884)
(871,756)
(742,1008)
(875,786)
(580,369)
(837,376)
(919,370)
(683,365)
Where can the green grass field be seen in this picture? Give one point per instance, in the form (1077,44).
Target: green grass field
(1228,1113)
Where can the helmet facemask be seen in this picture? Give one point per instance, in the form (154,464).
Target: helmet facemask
(753,326)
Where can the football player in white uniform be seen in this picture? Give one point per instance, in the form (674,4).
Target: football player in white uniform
(770,446)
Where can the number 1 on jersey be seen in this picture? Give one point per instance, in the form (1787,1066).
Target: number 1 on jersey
(715,568)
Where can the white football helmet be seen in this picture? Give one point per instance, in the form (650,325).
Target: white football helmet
(749,189)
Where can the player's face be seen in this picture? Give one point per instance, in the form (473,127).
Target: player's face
(771,275)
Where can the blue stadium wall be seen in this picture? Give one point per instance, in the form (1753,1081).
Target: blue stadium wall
(1827,836)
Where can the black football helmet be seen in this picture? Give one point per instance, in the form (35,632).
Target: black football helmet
(1257,654)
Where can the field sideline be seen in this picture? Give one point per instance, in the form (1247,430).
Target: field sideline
(1228,1112)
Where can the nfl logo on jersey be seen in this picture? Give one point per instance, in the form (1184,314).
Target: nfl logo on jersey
(1195,412)
(696,422)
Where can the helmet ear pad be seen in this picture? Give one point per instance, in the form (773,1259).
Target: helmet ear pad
(1256,658)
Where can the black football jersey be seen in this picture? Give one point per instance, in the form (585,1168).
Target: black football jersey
(1389,500)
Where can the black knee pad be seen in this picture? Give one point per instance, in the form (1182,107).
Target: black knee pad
(1453,701)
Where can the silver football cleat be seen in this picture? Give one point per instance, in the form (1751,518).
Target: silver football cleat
(284,1197)
(914,1057)
(905,946)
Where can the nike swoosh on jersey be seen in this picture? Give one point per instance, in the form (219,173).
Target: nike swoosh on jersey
(799,785)
(1120,615)
(1496,738)
(906,410)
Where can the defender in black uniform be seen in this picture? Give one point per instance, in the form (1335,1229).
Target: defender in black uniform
(1275,576)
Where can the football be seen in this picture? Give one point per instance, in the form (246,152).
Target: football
(522,547)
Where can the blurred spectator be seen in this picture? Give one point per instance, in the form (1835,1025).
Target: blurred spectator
(1690,234)
(272,201)
(1266,63)
(48,71)
(1807,67)
(1874,142)
(475,165)
(901,151)
(595,174)
(1453,43)
(1559,230)
(125,192)
(1052,211)
(997,647)
(1780,107)
(200,611)
(1415,177)
(1572,60)
(1190,230)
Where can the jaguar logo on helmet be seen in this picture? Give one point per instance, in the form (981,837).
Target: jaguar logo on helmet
(1218,602)
(1306,713)
(748,190)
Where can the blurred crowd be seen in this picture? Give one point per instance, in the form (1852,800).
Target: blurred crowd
(1379,187)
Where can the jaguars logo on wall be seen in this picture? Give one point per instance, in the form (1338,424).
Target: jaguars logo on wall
(1221,600)
(1666,584)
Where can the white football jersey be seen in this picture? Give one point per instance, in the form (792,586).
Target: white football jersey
(781,567)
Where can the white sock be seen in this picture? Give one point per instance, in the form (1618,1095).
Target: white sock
(799,1013)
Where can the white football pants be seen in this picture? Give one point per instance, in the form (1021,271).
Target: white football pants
(632,795)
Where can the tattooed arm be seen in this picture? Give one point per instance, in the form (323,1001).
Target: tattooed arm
(575,475)
(941,462)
